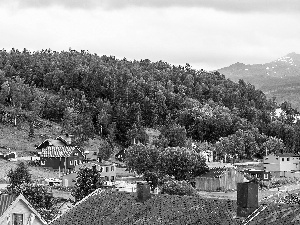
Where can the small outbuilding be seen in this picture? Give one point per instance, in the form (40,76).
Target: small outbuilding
(219,179)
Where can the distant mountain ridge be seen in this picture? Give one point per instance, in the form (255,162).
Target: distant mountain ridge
(282,71)
(279,78)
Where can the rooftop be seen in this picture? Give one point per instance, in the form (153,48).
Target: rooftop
(61,151)
(109,207)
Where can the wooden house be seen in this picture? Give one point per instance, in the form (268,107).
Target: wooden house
(219,179)
(17,210)
(63,158)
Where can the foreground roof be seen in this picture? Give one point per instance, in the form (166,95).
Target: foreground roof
(61,151)
(109,207)
(276,214)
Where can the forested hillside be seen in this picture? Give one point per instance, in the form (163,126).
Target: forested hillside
(117,99)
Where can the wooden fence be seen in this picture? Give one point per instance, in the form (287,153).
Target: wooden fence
(227,181)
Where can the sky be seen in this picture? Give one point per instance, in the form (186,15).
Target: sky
(207,34)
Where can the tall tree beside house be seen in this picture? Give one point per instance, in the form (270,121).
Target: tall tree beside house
(88,180)
(182,163)
(18,176)
(105,150)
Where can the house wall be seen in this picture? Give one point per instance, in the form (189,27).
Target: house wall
(69,180)
(289,163)
(275,163)
(21,208)
(56,162)
(109,172)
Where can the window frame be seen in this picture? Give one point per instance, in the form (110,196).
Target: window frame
(14,216)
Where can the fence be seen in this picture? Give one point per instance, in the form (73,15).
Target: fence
(227,181)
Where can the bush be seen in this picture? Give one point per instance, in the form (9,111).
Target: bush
(174,187)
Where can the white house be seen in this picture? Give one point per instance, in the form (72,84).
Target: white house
(18,211)
(281,164)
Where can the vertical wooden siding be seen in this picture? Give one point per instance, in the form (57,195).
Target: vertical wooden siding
(227,181)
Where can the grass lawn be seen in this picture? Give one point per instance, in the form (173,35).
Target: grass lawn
(36,172)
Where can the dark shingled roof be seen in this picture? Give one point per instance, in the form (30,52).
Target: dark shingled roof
(5,201)
(61,151)
(121,208)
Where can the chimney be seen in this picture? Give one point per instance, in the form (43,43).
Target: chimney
(143,191)
(247,198)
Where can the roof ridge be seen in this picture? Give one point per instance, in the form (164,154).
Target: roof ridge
(97,191)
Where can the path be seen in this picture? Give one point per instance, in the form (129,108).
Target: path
(262,195)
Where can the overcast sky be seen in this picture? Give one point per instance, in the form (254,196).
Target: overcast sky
(207,34)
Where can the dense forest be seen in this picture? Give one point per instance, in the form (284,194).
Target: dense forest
(117,99)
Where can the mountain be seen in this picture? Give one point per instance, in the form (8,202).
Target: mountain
(279,78)
(282,71)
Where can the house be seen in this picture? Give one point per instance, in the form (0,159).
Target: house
(61,158)
(8,155)
(282,164)
(261,174)
(17,210)
(108,172)
(113,207)
(219,179)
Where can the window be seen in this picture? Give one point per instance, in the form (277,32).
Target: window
(107,169)
(282,159)
(75,162)
(287,159)
(43,163)
(106,178)
(17,219)
(112,178)
(71,162)
(76,153)
(266,176)
(112,168)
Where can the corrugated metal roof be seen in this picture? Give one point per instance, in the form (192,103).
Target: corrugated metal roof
(61,151)
(5,202)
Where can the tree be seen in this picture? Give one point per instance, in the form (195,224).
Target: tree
(182,163)
(88,180)
(175,134)
(18,177)
(105,150)
(154,163)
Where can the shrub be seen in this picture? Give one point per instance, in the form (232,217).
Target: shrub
(174,187)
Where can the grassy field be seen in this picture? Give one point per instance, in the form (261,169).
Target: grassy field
(36,172)
(16,139)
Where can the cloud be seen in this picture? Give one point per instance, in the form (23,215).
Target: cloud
(220,5)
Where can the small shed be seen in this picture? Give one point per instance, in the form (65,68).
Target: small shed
(219,179)
(260,174)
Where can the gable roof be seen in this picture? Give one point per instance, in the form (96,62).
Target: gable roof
(51,142)
(62,151)
(5,202)
(111,207)
(13,204)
